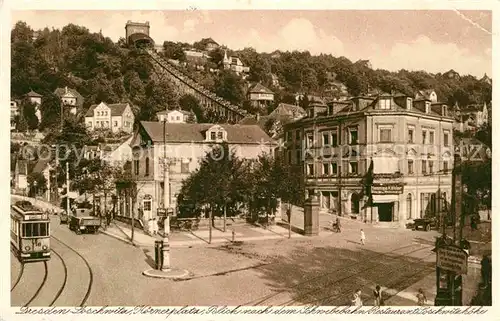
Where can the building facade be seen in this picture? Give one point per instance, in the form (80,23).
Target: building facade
(114,117)
(410,143)
(260,96)
(174,116)
(234,63)
(70,98)
(184,146)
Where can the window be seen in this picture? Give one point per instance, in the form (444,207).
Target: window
(385,104)
(297,135)
(89,124)
(385,135)
(288,136)
(289,156)
(431,138)
(184,167)
(298,155)
(335,139)
(107,124)
(310,141)
(178,118)
(408,207)
(115,123)
(136,167)
(353,167)
(410,135)
(326,139)
(35,229)
(310,169)
(431,167)
(446,138)
(147,205)
(424,136)
(445,166)
(147,167)
(219,135)
(410,166)
(326,169)
(353,136)
(334,169)
(212,135)
(424,166)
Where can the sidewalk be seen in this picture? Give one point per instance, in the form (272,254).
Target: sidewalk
(243,233)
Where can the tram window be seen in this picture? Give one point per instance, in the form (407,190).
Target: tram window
(43,229)
(35,229)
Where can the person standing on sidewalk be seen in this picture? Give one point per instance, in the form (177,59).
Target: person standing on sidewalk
(338,225)
(421,299)
(356,299)
(377,294)
(363,237)
(155,226)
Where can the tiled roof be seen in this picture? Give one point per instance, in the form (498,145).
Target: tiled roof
(33,94)
(259,88)
(116,109)
(184,112)
(179,132)
(62,91)
(288,109)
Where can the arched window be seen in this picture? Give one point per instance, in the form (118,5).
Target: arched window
(147,167)
(408,206)
(354,203)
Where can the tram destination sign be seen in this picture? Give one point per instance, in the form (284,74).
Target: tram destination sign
(387,189)
(452,259)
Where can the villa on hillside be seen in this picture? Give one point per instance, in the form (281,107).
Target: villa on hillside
(234,63)
(115,117)
(260,96)
(70,98)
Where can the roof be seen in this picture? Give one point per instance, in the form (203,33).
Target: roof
(33,94)
(164,112)
(259,88)
(289,110)
(41,165)
(179,132)
(116,109)
(62,91)
(426,93)
(207,41)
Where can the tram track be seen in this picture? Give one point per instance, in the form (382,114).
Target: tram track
(46,273)
(59,292)
(20,275)
(349,276)
(261,300)
(321,300)
(89,268)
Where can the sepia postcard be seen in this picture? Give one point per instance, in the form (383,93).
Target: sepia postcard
(239,158)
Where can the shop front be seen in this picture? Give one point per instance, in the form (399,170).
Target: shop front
(386,202)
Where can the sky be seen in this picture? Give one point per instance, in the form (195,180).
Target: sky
(434,41)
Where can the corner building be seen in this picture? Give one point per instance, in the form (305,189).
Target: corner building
(411,145)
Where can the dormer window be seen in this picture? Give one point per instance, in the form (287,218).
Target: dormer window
(427,107)
(216,133)
(385,104)
(409,103)
(212,135)
(444,111)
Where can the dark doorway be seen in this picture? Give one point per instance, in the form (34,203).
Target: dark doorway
(385,211)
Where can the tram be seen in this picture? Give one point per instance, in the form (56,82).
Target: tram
(29,232)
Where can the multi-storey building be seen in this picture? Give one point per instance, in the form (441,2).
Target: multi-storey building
(113,117)
(410,143)
(183,146)
(260,96)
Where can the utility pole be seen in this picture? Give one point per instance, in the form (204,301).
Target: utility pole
(67,187)
(131,212)
(166,202)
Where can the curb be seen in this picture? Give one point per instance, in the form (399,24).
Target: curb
(173,274)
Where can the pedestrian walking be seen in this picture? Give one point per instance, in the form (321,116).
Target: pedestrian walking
(155,226)
(150,226)
(338,224)
(356,299)
(377,296)
(421,299)
(363,237)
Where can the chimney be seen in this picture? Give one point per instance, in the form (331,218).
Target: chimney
(66,89)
